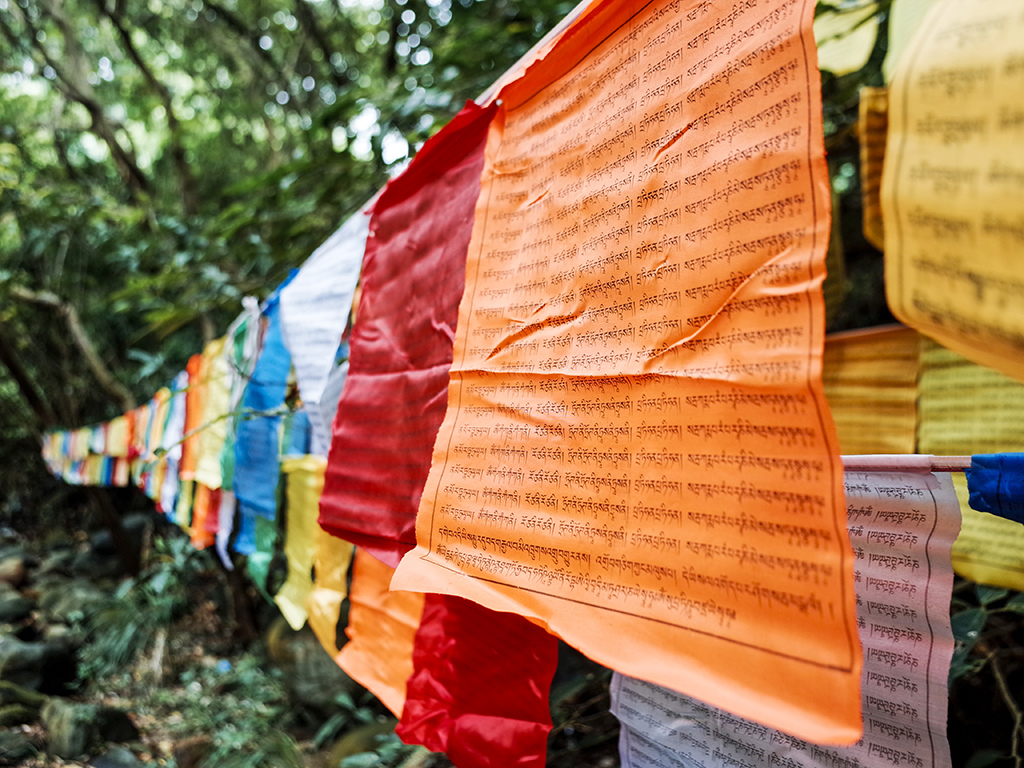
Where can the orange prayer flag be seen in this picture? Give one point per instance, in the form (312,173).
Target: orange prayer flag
(637,451)
(381,628)
(193,417)
(204,507)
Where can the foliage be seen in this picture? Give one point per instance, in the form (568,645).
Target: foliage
(158,160)
(389,752)
(986,721)
(143,607)
(248,721)
(348,713)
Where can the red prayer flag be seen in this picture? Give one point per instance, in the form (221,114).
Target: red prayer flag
(401,346)
(479,688)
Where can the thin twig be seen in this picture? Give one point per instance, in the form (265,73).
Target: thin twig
(1018,716)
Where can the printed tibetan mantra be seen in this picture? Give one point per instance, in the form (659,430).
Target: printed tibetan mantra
(637,452)
(953,189)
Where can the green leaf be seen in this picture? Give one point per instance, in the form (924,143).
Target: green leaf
(989,595)
(330,729)
(967,626)
(362,760)
(1015,603)
(159,581)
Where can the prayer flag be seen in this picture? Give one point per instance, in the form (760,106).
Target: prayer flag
(635,399)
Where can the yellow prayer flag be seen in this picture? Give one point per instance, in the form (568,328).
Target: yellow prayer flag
(330,588)
(966,409)
(305,482)
(953,188)
(214,425)
(870,380)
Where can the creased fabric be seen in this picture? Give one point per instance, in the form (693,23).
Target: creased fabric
(381,629)
(315,308)
(330,588)
(479,690)
(257,462)
(304,483)
(401,348)
(995,482)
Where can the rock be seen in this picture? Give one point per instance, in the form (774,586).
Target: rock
(15,608)
(118,757)
(136,526)
(17,714)
(76,728)
(313,678)
(15,694)
(95,565)
(11,549)
(68,601)
(15,748)
(190,752)
(38,666)
(115,725)
(13,570)
(71,727)
(58,562)
(63,637)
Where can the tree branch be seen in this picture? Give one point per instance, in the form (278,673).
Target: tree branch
(43,412)
(77,89)
(185,181)
(308,21)
(103,376)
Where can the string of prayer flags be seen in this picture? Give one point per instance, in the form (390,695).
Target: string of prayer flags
(118,436)
(479,689)
(183,507)
(965,408)
(953,186)
(195,368)
(155,455)
(870,380)
(205,505)
(996,484)
(394,395)
(304,480)
(315,308)
(902,524)
(258,561)
(381,629)
(241,349)
(225,521)
(140,418)
(635,396)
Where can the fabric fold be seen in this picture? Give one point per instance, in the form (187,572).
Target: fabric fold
(395,394)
